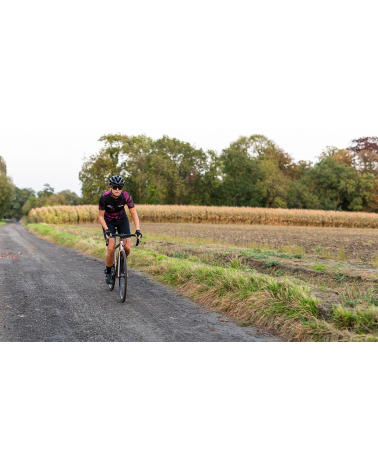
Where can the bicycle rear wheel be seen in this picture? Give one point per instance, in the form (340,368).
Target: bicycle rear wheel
(122,276)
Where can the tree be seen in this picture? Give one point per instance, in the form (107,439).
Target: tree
(345,157)
(255,172)
(208,181)
(174,170)
(71,197)
(19,198)
(112,160)
(272,184)
(300,196)
(364,144)
(329,151)
(47,191)
(366,162)
(6,191)
(3,166)
(339,187)
(95,175)
(286,163)
(239,176)
(6,187)
(43,201)
(46,197)
(252,171)
(166,170)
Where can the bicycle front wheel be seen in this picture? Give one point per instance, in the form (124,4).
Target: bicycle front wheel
(122,276)
(111,286)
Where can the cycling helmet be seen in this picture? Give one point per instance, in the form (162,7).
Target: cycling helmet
(116,180)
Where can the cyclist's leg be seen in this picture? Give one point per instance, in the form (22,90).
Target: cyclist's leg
(109,258)
(127,244)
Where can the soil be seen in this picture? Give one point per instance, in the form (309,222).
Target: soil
(359,244)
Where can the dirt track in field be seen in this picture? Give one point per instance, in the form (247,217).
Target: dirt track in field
(51,293)
(358,243)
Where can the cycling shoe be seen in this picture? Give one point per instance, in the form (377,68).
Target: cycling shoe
(109,278)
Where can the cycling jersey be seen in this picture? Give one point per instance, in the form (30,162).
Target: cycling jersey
(115,207)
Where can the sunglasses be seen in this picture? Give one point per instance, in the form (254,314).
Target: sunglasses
(117,187)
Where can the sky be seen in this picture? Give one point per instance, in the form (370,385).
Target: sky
(204,71)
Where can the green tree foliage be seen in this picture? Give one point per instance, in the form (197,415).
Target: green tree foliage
(47,191)
(272,184)
(97,170)
(163,171)
(3,166)
(6,187)
(71,197)
(174,166)
(252,171)
(19,197)
(339,187)
(47,197)
(256,172)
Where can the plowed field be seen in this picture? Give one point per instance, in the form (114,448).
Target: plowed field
(359,244)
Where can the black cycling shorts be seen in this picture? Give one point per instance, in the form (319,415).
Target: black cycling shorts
(120,226)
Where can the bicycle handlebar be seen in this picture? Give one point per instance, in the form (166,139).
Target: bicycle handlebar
(124,235)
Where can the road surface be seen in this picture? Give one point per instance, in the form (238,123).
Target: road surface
(52,293)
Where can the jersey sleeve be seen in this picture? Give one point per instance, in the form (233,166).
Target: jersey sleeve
(129,201)
(101,203)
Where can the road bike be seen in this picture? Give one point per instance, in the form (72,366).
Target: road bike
(119,269)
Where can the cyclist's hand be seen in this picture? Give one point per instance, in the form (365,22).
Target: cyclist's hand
(107,233)
(138,234)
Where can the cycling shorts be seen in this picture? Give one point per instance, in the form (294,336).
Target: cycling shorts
(120,226)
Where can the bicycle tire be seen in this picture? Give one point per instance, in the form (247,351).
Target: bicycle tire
(111,286)
(122,276)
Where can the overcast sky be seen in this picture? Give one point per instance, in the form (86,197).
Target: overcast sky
(302,73)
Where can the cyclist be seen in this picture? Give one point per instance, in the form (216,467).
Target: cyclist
(112,216)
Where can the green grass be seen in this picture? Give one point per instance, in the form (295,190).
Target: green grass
(2,222)
(89,244)
(320,267)
(272,263)
(252,298)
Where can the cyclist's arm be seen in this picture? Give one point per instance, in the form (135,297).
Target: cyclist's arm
(134,214)
(101,219)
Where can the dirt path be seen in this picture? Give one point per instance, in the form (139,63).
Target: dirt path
(51,293)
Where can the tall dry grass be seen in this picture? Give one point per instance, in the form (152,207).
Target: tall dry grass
(204,214)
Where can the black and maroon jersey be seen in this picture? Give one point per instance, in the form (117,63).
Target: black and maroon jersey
(115,207)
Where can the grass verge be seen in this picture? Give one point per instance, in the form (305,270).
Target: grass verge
(252,298)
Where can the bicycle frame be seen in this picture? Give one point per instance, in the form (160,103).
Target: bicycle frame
(121,247)
(117,265)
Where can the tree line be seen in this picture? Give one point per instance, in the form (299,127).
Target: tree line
(16,202)
(253,171)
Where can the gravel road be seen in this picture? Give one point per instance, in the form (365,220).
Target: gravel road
(51,293)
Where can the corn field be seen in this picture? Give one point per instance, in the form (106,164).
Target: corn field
(203,214)
(64,214)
